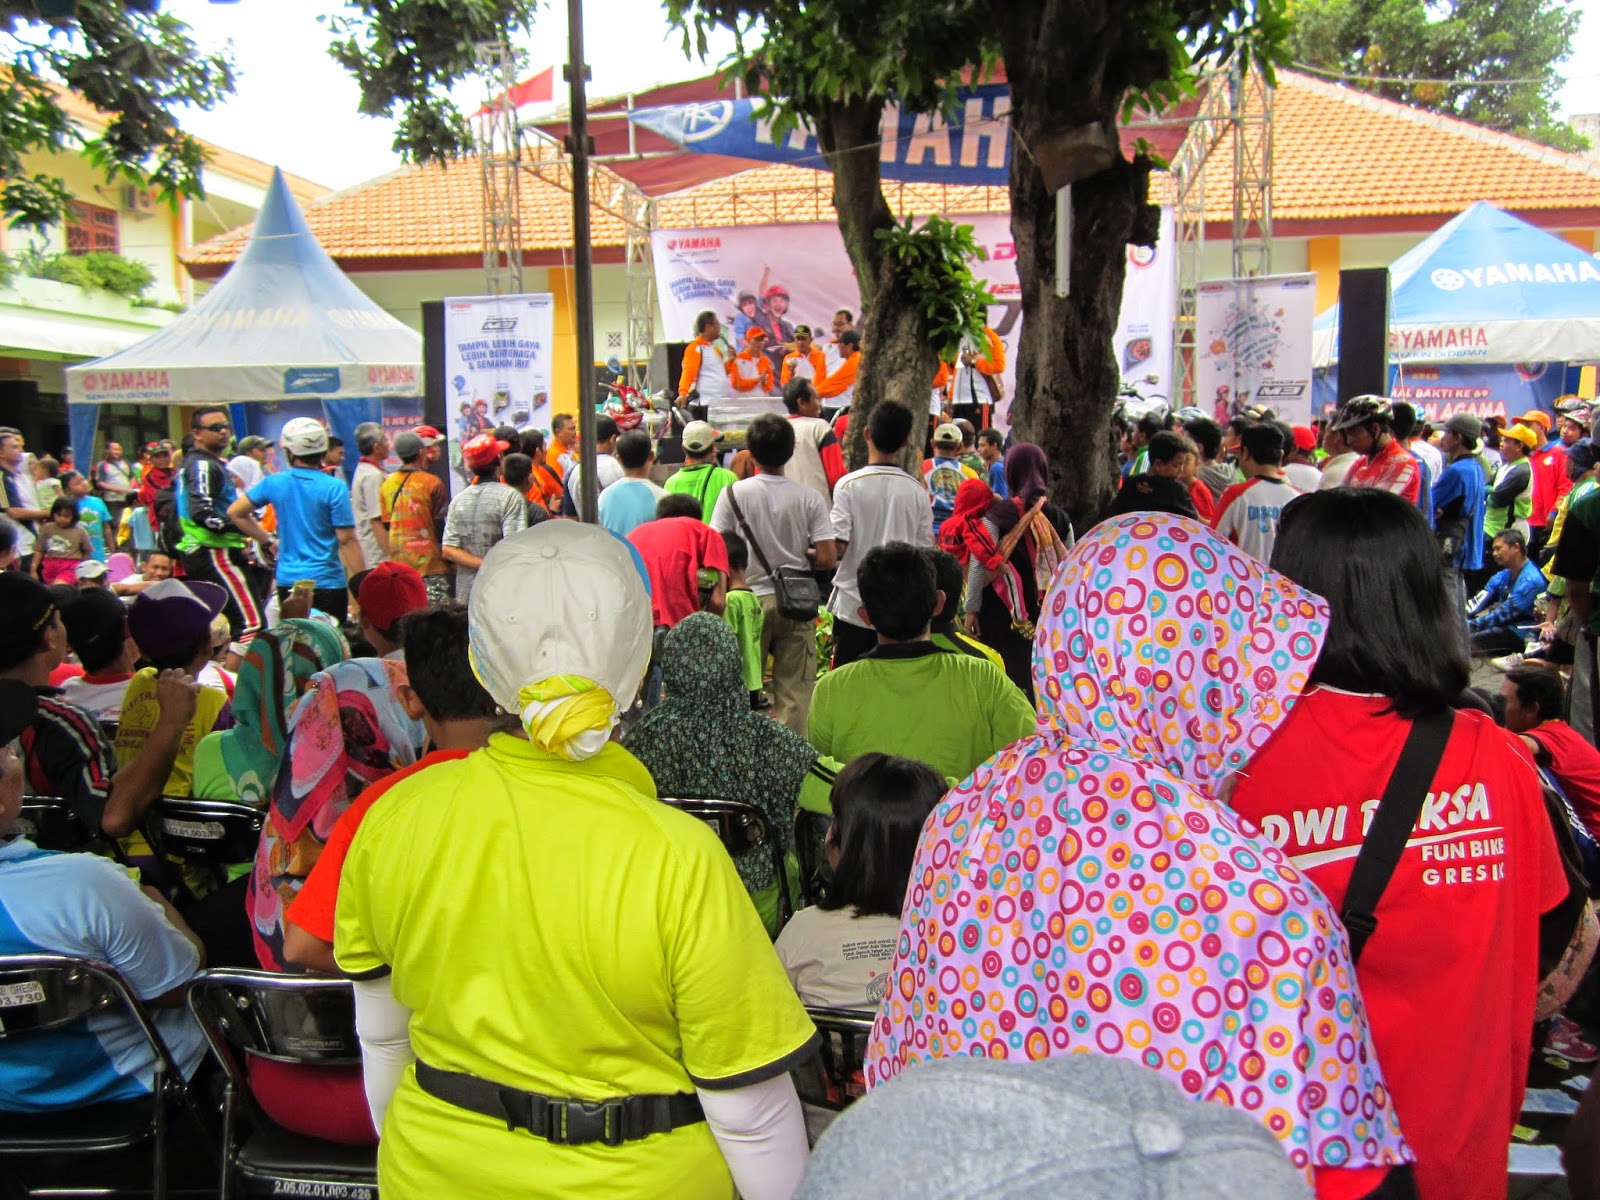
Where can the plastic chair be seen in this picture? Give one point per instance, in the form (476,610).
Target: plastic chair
(742,828)
(49,993)
(810,836)
(834,1078)
(206,833)
(286,1018)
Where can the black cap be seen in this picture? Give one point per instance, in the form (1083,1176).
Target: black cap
(28,607)
(850,337)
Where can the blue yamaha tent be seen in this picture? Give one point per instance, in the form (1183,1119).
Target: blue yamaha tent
(1485,315)
(284,326)
(1487,287)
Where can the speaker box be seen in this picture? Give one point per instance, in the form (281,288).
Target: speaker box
(1363,333)
(666,366)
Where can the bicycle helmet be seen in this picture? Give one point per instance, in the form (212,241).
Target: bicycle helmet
(304,436)
(1358,410)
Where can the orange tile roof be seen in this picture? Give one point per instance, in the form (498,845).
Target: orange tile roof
(1339,154)
(229,162)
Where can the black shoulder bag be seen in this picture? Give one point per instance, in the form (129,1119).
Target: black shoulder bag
(1392,825)
(796,591)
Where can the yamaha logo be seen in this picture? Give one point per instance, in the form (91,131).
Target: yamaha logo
(1447,280)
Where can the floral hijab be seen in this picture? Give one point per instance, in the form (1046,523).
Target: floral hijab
(277,664)
(1084,891)
(703,740)
(348,731)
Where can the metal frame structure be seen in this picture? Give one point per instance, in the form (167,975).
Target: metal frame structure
(1237,107)
(499,147)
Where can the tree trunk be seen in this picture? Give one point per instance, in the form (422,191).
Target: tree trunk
(1066,372)
(898,361)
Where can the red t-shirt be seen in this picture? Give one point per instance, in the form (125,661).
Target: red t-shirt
(1550,482)
(1450,974)
(314,907)
(1576,765)
(1205,504)
(65,672)
(673,549)
(1392,469)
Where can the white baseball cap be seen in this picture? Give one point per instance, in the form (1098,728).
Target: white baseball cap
(304,436)
(699,436)
(560,599)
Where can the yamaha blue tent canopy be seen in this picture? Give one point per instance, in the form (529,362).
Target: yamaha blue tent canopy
(1487,287)
(284,324)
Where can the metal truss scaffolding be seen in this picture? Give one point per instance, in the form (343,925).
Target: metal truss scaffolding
(1235,119)
(499,146)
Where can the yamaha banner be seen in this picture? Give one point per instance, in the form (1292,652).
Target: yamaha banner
(972,148)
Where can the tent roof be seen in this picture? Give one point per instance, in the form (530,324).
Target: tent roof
(1488,286)
(284,323)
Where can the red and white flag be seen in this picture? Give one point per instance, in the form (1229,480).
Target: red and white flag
(536,89)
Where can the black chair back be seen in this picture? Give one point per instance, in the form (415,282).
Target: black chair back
(205,833)
(50,824)
(810,838)
(46,993)
(834,1078)
(742,828)
(287,1018)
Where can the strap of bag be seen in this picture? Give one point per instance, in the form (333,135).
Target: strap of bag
(750,537)
(1392,825)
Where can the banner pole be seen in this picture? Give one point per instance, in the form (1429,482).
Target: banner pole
(579,147)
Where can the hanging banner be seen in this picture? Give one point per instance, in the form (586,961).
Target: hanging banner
(1253,346)
(781,276)
(972,148)
(1144,325)
(497,364)
(1442,390)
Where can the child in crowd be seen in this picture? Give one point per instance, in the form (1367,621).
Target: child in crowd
(93,514)
(743,612)
(516,471)
(63,544)
(837,952)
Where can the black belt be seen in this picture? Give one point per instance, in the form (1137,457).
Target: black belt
(561,1121)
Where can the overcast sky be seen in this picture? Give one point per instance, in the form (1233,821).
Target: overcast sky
(295,107)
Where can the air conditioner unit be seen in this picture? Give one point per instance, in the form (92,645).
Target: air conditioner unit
(137,200)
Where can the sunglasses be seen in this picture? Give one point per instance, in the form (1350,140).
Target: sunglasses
(223,428)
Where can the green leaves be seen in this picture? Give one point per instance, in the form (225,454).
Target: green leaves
(407,54)
(932,265)
(138,67)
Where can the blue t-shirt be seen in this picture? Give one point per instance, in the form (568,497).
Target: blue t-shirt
(997,481)
(86,906)
(310,506)
(628,504)
(95,518)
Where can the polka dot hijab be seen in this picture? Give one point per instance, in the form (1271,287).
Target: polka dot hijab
(1085,892)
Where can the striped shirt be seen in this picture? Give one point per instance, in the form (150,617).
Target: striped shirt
(66,753)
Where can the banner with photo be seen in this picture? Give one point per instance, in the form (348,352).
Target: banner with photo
(780,276)
(497,365)
(1441,390)
(1253,346)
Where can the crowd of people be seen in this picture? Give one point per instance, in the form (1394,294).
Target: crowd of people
(1204,787)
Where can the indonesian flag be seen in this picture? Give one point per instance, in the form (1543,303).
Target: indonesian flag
(536,89)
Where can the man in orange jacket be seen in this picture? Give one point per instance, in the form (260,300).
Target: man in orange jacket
(705,362)
(807,362)
(751,369)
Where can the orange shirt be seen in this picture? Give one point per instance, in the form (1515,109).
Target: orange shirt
(841,381)
(749,371)
(813,366)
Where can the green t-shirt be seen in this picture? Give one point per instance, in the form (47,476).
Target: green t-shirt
(703,481)
(743,613)
(951,711)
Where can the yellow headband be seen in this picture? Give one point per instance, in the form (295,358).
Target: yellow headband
(567,715)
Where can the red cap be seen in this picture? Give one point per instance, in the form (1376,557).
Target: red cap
(776,289)
(388,592)
(1305,438)
(483,450)
(429,435)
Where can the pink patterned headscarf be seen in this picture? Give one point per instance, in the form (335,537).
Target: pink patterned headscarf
(1085,892)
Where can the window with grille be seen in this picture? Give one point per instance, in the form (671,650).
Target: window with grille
(91,227)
